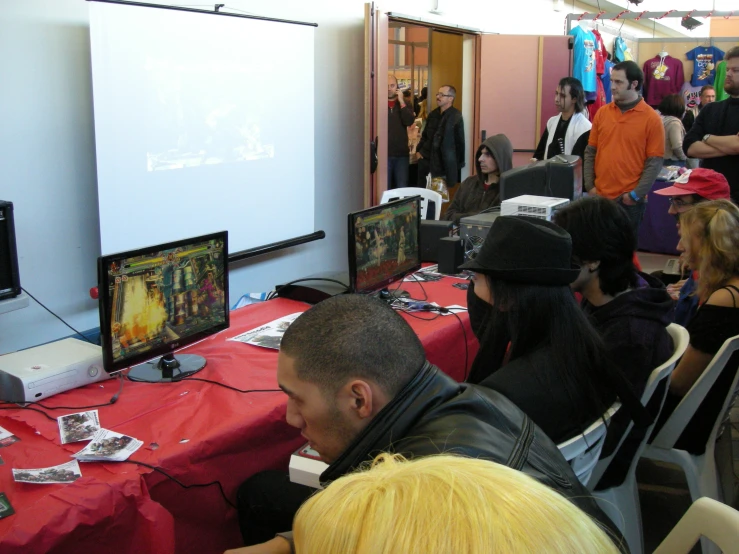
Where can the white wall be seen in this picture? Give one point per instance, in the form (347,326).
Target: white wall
(48,157)
(47,145)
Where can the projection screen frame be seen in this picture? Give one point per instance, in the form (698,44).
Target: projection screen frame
(214,12)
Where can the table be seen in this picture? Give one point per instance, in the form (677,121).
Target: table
(196,432)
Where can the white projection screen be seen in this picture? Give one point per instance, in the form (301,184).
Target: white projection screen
(203,122)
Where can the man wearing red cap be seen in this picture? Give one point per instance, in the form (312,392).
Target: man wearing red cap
(692,187)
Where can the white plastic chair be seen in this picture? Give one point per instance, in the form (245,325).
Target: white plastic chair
(708,518)
(425,194)
(582,451)
(621,503)
(700,470)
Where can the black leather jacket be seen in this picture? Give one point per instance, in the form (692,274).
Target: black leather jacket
(435,414)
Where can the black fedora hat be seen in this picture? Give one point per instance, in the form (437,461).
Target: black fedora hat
(525,249)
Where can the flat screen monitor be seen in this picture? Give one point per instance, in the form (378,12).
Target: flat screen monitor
(384,245)
(156,300)
(558,177)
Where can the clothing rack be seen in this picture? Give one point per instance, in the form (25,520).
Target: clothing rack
(637,16)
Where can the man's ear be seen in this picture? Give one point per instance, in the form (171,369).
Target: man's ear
(593,266)
(360,397)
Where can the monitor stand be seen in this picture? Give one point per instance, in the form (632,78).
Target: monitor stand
(167,369)
(390,295)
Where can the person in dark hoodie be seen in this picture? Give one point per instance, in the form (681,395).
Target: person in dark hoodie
(482,191)
(631,310)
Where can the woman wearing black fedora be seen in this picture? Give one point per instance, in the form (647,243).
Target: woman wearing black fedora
(536,345)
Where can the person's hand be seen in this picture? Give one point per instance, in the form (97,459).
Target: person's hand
(278,545)
(533,160)
(417,156)
(674,289)
(626,199)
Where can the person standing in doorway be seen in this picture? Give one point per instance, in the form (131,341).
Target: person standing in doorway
(400,116)
(441,149)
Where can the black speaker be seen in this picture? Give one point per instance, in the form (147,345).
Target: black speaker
(10,283)
(451,255)
(432,232)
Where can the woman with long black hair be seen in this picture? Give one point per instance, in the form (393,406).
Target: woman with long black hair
(536,345)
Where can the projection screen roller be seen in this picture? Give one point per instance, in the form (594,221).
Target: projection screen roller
(203,122)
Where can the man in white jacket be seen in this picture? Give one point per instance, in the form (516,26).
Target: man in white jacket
(567,132)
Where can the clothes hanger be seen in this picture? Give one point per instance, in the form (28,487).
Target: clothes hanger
(663,53)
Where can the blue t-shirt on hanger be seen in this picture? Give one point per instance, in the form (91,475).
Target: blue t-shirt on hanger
(584,58)
(606,79)
(705,59)
(621,51)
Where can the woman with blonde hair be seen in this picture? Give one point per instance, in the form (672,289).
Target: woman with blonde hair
(709,240)
(443,505)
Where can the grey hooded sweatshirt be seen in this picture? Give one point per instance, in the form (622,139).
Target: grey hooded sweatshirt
(472,198)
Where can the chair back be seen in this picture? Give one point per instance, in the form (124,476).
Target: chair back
(685,410)
(582,451)
(658,383)
(709,518)
(425,194)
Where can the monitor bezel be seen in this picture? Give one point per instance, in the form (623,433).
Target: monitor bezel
(106,340)
(352,245)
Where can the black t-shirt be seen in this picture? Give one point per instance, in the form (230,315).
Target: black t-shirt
(558,142)
(557,146)
(709,329)
(722,119)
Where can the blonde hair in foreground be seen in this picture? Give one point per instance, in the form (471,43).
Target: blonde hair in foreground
(716,226)
(443,505)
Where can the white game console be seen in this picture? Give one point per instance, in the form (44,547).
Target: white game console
(38,373)
(534,206)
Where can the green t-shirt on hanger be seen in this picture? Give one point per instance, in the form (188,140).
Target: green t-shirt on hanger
(718,82)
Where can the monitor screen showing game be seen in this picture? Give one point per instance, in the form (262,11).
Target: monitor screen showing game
(159,299)
(384,244)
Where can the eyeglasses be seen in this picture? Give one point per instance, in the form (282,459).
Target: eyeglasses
(679,203)
(439,94)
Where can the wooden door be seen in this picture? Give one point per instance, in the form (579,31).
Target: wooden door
(375,102)
(445,60)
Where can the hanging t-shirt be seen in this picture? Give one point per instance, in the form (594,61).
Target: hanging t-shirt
(704,60)
(601,54)
(606,80)
(600,101)
(719,81)
(662,76)
(621,52)
(584,57)
(691,95)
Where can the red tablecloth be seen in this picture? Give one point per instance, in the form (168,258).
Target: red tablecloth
(196,432)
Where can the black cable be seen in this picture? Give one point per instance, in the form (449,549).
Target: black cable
(180,483)
(47,416)
(56,316)
(466,349)
(112,401)
(181,379)
(227,386)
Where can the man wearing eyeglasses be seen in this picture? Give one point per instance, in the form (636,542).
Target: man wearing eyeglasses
(691,188)
(441,149)
(714,136)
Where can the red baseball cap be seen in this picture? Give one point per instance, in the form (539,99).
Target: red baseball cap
(706,183)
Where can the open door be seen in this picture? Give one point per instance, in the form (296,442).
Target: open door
(517,99)
(375,102)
